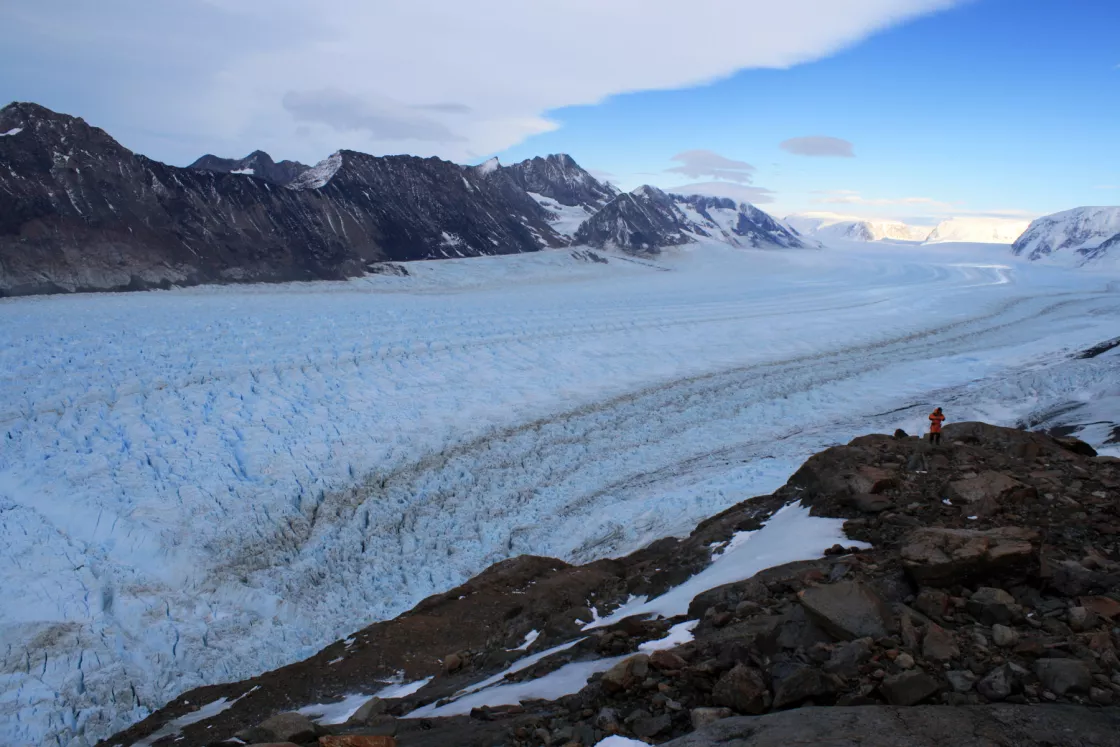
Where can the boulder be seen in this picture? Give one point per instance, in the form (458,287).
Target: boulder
(355,740)
(289,727)
(909,688)
(666,660)
(652,726)
(868,503)
(1003,636)
(942,557)
(939,644)
(804,683)
(961,680)
(990,606)
(372,707)
(847,658)
(1060,676)
(743,690)
(625,674)
(996,685)
(987,487)
(701,717)
(848,610)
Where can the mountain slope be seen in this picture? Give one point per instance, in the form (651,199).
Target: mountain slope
(648,220)
(559,178)
(977,231)
(258,164)
(81,212)
(1072,236)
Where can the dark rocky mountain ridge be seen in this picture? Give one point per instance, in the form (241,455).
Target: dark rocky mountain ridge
(986,612)
(258,164)
(80,212)
(648,220)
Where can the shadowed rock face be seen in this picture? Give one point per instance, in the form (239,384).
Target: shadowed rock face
(562,179)
(78,211)
(648,220)
(258,164)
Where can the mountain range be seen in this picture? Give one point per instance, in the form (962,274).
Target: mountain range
(83,213)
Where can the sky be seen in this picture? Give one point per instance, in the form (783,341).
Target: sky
(913,110)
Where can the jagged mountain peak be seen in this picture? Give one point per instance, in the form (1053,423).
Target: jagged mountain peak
(559,178)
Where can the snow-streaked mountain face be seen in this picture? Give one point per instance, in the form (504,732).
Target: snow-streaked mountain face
(560,179)
(648,220)
(828,226)
(258,164)
(977,231)
(1075,236)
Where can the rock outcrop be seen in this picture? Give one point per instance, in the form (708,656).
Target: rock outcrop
(648,220)
(953,628)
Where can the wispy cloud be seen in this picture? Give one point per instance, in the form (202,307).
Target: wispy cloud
(1107,186)
(381,118)
(699,163)
(818,146)
(851,197)
(737,192)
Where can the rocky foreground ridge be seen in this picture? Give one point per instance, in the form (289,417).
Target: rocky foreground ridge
(986,611)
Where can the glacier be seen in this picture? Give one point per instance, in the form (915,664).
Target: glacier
(201,484)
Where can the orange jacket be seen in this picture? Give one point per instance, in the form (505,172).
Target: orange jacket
(935,421)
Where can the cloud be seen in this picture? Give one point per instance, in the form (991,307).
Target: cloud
(446,108)
(698,163)
(381,118)
(851,197)
(818,145)
(737,192)
(1107,186)
(504,63)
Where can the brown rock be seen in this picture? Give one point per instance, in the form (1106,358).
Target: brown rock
(987,486)
(701,717)
(453,663)
(289,727)
(1081,619)
(357,741)
(940,557)
(743,690)
(625,674)
(848,610)
(372,707)
(940,645)
(932,603)
(666,660)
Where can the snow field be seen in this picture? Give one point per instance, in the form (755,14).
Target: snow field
(202,484)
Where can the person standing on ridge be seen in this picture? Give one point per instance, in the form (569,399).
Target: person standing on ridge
(936,418)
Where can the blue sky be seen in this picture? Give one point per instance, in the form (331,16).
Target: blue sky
(951,107)
(999,106)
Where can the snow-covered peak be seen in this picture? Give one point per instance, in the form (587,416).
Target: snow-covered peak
(978,231)
(824,225)
(320,174)
(488,166)
(13,131)
(1072,236)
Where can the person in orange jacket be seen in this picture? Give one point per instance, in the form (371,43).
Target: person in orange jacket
(936,418)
